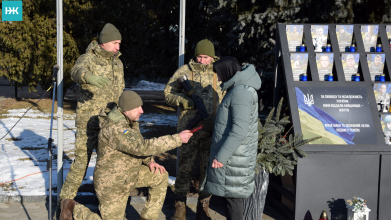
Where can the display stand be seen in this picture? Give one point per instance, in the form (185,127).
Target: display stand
(352,157)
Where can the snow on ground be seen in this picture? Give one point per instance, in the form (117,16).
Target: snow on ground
(146,85)
(171,180)
(147,120)
(23,152)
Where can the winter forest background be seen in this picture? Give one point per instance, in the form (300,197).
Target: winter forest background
(149,31)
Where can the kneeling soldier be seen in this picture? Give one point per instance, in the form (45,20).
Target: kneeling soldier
(125,162)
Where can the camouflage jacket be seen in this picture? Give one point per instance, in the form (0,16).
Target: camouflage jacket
(122,149)
(91,99)
(203,88)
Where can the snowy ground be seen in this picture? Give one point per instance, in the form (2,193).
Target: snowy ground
(146,85)
(23,152)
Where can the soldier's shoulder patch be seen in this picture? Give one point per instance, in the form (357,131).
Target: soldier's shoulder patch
(129,135)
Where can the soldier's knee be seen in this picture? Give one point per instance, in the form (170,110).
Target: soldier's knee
(163,178)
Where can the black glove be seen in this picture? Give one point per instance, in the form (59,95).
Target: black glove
(208,124)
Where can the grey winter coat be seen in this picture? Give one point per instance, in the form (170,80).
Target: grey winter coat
(235,137)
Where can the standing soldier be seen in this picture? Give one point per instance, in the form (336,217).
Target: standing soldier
(204,81)
(343,35)
(124,163)
(100,75)
(294,35)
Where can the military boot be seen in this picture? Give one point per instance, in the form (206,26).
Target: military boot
(203,209)
(180,208)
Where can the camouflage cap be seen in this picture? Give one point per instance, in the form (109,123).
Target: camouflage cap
(129,100)
(350,56)
(109,33)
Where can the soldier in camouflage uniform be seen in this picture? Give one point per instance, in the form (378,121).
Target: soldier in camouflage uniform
(200,73)
(100,75)
(125,162)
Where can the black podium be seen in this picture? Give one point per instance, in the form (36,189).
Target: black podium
(352,158)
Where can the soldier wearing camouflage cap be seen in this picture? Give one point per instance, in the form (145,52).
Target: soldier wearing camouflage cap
(125,162)
(351,66)
(200,73)
(100,76)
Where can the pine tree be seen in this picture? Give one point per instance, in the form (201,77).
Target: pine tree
(28,47)
(149,43)
(276,154)
(150,38)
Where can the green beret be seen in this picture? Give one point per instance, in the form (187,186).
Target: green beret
(129,100)
(205,47)
(109,33)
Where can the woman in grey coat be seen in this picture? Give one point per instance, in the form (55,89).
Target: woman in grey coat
(231,168)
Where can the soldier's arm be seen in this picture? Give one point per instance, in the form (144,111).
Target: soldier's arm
(172,91)
(80,71)
(130,144)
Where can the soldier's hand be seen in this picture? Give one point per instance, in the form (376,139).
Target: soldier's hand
(187,103)
(185,136)
(208,124)
(153,166)
(98,81)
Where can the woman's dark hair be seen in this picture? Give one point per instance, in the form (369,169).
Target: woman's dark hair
(226,68)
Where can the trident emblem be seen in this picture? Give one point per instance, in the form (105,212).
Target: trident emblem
(309,100)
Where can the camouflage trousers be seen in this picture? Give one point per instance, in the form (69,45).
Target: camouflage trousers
(199,144)
(113,197)
(86,142)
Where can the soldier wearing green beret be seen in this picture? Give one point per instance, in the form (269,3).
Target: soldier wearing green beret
(100,76)
(200,73)
(125,162)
